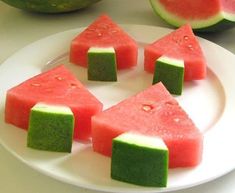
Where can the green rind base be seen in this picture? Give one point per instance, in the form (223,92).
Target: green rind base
(102,64)
(50,6)
(170,74)
(50,131)
(139,165)
(222,25)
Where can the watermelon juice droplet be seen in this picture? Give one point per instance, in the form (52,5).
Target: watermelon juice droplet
(186,38)
(35,84)
(147,108)
(59,78)
(114,31)
(176,120)
(73,85)
(170,102)
(190,47)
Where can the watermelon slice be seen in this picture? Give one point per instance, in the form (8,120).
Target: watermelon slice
(207,16)
(56,86)
(103,33)
(180,44)
(151,112)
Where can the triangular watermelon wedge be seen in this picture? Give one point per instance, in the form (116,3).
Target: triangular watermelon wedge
(180,44)
(202,15)
(151,112)
(103,33)
(56,86)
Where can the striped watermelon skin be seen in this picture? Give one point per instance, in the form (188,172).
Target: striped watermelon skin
(56,86)
(103,33)
(51,6)
(152,112)
(180,44)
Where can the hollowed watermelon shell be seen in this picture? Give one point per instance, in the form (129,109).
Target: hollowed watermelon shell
(203,15)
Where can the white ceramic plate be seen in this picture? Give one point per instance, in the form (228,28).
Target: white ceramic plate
(209,102)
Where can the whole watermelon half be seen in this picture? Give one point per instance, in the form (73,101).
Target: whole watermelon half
(50,6)
(202,15)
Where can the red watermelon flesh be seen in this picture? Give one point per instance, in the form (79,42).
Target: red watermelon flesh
(188,9)
(56,86)
(228,6)
(103,32)
(179,44)
(152,112)
(191,9)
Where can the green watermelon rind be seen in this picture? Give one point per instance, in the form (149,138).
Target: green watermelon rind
(102,64)
(222,20)
(170,71)
(50,6)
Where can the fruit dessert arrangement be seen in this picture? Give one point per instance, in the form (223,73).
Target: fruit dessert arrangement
(145,134)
